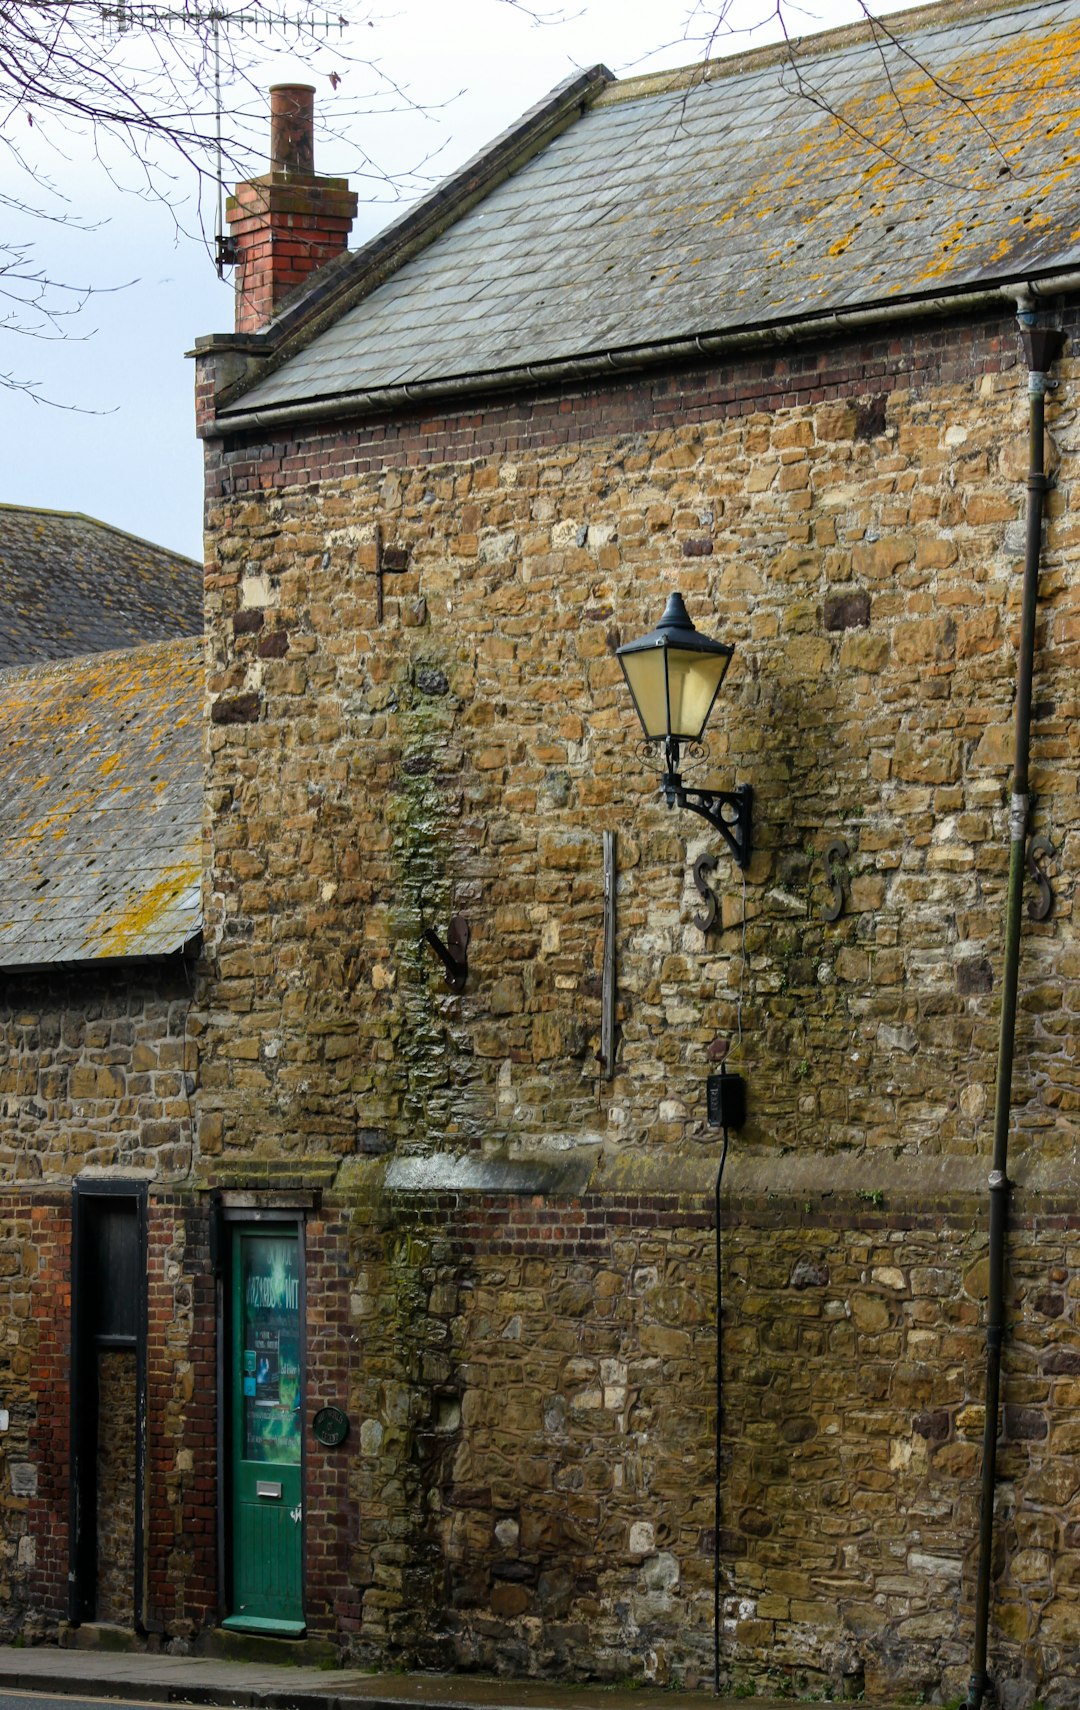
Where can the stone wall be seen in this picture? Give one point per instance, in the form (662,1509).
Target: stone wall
(531,1471)
(97,1071)
(97,1079)
(117,1402)
(534,1380)
(851,518)
(862,551)
(536,1395)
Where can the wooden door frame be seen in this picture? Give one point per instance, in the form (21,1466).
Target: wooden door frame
(82,1524)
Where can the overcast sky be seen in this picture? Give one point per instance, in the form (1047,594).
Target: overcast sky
(137,463)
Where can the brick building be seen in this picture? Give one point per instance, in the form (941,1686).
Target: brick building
(748,334)
(100,919)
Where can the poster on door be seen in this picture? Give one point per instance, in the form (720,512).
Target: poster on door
(271,1308)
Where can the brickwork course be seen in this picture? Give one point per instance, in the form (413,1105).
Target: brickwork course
(414,712)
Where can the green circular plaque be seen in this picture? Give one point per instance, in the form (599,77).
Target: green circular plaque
(330,1427)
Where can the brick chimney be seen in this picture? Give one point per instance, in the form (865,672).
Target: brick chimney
(291,221)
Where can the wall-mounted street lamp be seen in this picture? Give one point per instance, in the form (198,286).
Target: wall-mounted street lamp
(674,675)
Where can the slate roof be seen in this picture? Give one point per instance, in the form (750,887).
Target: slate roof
(877,165)
(70,584)
(101,806)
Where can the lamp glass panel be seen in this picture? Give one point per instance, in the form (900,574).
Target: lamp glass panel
(693,679)
(646,674)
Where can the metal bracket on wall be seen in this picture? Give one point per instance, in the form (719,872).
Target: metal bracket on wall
(1039,907)
(836,853)
(454,955)
(703,866)
(389,561)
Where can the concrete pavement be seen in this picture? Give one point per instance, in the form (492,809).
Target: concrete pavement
(158,1678)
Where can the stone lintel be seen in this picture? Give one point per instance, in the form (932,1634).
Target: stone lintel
(114,1173)
(270,1199)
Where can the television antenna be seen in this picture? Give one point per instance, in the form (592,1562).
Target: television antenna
(140,16)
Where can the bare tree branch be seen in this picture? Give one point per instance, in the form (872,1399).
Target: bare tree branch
(167,99)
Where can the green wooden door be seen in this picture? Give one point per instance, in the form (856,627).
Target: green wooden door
(266,1532)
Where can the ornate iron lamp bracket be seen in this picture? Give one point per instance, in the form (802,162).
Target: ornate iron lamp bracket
(727,811)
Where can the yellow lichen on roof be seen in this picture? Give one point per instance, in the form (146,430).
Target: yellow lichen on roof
(123,929)
(101,776)
(951,155)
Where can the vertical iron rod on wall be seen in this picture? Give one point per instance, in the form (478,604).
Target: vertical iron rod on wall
(1041,345)
(607,1001)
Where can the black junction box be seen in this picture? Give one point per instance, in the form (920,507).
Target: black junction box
(725,1097)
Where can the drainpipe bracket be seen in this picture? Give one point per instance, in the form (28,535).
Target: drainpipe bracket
(978,1687)
(998,1182)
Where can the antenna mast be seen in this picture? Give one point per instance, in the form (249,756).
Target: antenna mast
(123,16)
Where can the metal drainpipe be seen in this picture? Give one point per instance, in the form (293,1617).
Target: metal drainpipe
(1041,347)
(718,1446)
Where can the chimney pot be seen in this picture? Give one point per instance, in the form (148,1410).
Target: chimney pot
(292,129)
